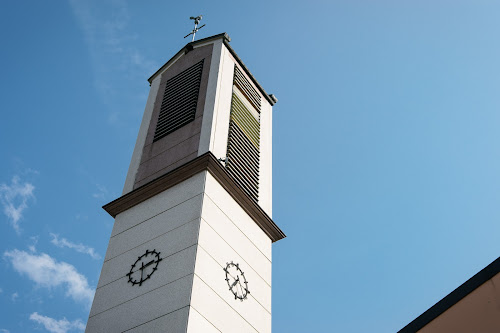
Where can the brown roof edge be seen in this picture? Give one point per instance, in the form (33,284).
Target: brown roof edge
(270,98)
(189,46)
(204,162)
(453,298)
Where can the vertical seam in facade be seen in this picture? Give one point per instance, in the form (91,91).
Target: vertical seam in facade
(217,95)
(196,248)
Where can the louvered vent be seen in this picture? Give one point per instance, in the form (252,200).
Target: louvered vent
(244,139)
(250,93)
(178,107)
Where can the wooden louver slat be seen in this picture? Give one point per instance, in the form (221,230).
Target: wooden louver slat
(246,87)
(180,99)
(244,137)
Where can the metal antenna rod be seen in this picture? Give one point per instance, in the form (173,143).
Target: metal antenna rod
(197,20)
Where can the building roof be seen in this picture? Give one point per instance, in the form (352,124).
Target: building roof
(454,297)
(226,39)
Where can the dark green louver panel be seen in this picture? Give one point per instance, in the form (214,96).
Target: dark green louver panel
(248,90)
(243,147)
(178,107)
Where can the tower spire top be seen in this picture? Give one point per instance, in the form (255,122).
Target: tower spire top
(197,20)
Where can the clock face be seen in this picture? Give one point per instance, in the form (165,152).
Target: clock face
(144,267)
(236,281)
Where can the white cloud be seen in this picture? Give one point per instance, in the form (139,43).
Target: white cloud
(14,296)
(102,191)
(3,330)
(14,199)
(115,57)
(63,242)
(57,326)
(29,171)
(32,247)
(81,217)
(46,272)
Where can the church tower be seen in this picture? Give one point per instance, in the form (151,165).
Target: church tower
(190,249)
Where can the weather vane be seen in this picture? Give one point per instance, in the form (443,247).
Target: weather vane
(197,20)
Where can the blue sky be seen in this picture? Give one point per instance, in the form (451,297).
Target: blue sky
(386,148)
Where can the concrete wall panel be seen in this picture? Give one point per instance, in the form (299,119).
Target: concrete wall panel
(159,203)
(143,309)
(211,99)
(216,310)
(238,216)
(158,158)
(183,133)
(172,167)
(266,159)
(235,238)
(198,323)
(170,243)
(172,267)
(141,137)
(165,161)
(167,221)
(221,253)
(212,273)
(173,322)
(222,106)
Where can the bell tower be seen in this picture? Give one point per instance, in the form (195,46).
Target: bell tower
(190,249)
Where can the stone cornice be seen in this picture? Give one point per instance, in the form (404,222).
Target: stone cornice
(204,162)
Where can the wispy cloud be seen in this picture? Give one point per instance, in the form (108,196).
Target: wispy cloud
(3,330)
(14,199)
(14,296)
(34,241)
(98,191)
(111,44)
(101,193)
(57,326)
(81,217)
(63,242)
(46,272)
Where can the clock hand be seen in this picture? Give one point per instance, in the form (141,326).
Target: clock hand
(241,288)
(142,272)
(231,275)
(149,263)
(235,282)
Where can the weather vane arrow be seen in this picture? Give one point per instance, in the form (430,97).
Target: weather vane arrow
(197,20)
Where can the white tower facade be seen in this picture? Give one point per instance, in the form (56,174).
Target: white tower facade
(190,249)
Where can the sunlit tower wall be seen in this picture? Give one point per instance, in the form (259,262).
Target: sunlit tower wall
(190,249)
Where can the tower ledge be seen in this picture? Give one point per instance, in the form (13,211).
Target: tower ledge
(204,162)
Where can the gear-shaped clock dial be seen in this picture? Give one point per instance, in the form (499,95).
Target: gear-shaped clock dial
(144,267)
(236,281)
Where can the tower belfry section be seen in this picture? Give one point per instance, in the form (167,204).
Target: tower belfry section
(190,249)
